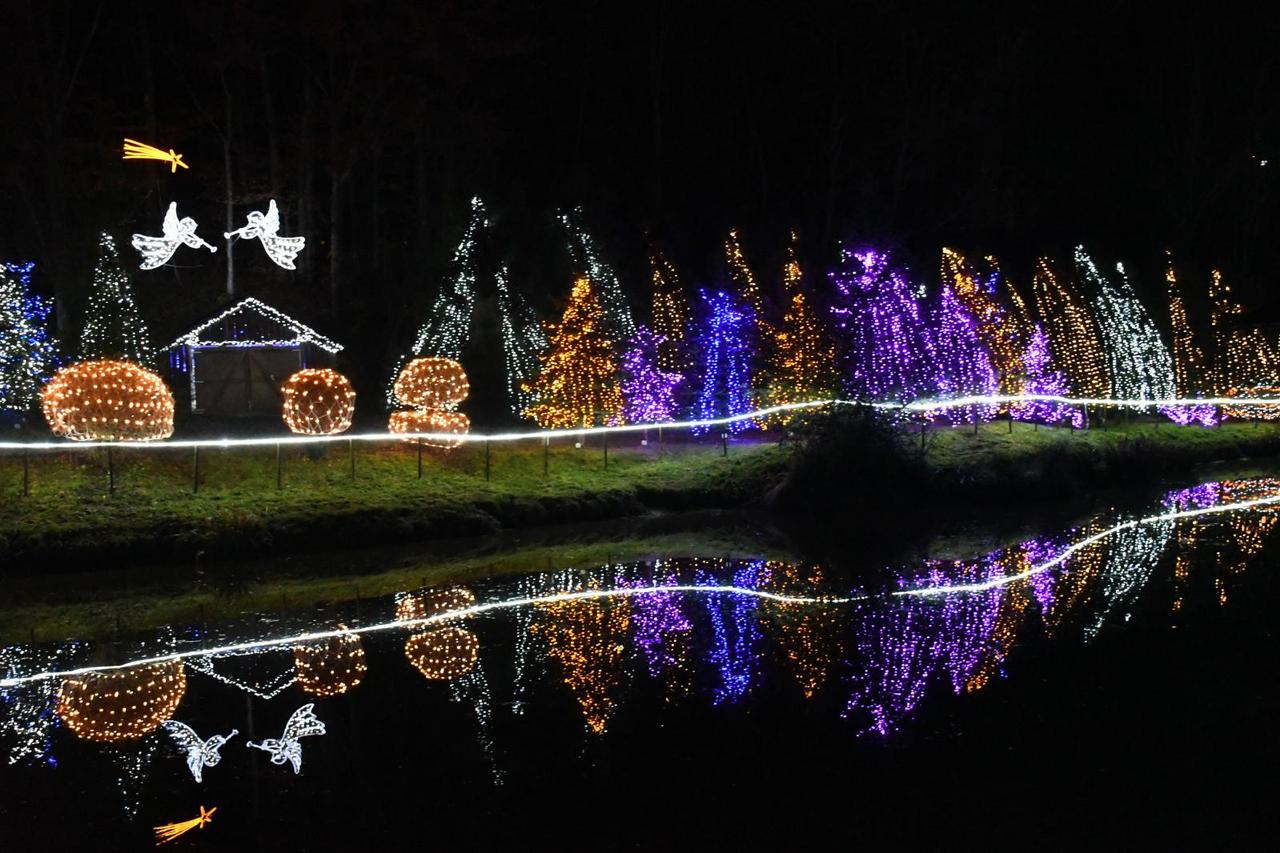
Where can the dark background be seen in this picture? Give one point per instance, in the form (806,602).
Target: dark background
(1012,128)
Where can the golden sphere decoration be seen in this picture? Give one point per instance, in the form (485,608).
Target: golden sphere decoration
(423,605)
(318,401)
(124,705)
(431,383)
(443,654)
(330,667)
(108,401)
(432,421)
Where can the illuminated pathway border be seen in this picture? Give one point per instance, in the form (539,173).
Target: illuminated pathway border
(915,407)
(525,601)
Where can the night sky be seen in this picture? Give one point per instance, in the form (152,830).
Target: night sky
(1007,128)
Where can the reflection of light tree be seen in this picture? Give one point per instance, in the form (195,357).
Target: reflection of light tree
(806,632)
(1076,578)
(663,632)
(735,651)
(27,712)
(899,648)
(1131,559)
(967,620)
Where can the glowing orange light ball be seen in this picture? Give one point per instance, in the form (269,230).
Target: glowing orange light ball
(422,605)
(431,420)
(109,707)
(330,667)
(443,654)
(318,401)
(432,383)
(108,401)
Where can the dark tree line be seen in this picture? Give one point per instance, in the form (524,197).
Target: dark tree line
(1018,129)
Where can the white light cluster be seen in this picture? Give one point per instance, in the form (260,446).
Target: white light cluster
(302,334)
(1137,359)
(282,251)
(523,339)
(586,262)
(200,753)
(114,328)
(156,251)
(302,723)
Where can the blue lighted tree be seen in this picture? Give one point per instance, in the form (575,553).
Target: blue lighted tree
(28,355)
(724,345)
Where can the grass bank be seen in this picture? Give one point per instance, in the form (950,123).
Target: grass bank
(71,522)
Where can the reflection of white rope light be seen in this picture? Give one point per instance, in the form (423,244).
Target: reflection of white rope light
(928,405)
(628,592)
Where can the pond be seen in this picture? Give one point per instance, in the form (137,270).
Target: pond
(1109,683)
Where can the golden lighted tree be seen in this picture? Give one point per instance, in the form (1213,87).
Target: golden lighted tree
(578,383)
(1073,333)
(670,312)
(802,359)
(1004,333)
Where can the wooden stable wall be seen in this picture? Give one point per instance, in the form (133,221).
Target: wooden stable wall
(242,381)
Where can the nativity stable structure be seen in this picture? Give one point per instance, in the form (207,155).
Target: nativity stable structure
(237,361)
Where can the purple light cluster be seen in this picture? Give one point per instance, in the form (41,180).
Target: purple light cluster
(657,619)
(1185,415)
(648,394)
(1041,378)
(726,358)
(962,366)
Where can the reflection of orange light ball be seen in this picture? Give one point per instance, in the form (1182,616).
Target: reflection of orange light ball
(429,421)
(442,654)
(330,667)
(431,383)
(108,401)
(124,705)
(421,605)
(318,402)
(1260,412)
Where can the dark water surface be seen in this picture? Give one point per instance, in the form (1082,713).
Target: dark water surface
(1120,696)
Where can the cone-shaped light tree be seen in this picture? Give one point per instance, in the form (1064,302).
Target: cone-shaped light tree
(961,364)
(648,391)
(802,358)
(28,354)
(578,383)
(113,327)
(1000,330)
(1073,334)
(1039,377)
(1189,367)
(670,312)
(724,343)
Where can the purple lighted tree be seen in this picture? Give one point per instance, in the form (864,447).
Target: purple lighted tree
(724,344)
(1041,378)
(887,343)
(648,393)
(962,365)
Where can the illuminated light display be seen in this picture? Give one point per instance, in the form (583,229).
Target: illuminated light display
(724,341)
(746,287)
(648,392)
(416,606)
(265,228)
(288,747)
(200,752)
(431,383)
(1137,359)
(888,345)
(961,364)
(967,623)
(156,251)
(1132,558)
(577,385)
(802,359)
(1009,617)
(585,638)
(318,401)
(806,633)
(899,646)
(443,654)
(618,324)
(124,705)
(170,831)
(1004,333)
(135,150)
(114,328)
(662,633)
(27,353)
(1039,377)
(1189,367)
(1073,334)
(28,714)
(670,312)
(523,341)
(330,667)
(735,647)
(238,315)
(431,422)
(267,687)
(108,401)
(1246,361)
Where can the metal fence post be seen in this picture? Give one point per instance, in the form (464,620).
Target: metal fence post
(279,468)
(351,452)
(546,453)
(111,470)
(26,472)
(195,469)
(486,460)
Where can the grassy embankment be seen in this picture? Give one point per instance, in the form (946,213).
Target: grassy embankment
(70,521)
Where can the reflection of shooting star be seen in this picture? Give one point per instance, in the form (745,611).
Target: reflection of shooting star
(135,150)
(170,831)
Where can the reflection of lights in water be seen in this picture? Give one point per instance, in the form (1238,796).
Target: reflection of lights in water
(898,648)
(806,633)
(1131,560)
(442,654)
(330,667)
(735,652)
(28,712)
(266,688)
(123,705)
(662,633)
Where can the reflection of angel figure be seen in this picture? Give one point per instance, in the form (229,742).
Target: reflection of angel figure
(301,723)
(156,251)
(265,227)
(200,753)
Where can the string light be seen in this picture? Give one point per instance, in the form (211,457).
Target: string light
(265,228)
(27,353)
(1073,335)
(135,150)
(670,312)
(114,328)
(302,723)
(1038,377)
(170,831)
(618,323)
(431,383)
(577,385)
(108,401)
(239,319)
(807,634)
(734,651)
(430,422)
(802,358)
(330,667)
(746,287)
(109,707)
(648,392)
(523,340)
(28,714)
(663,633)
(443,654)
(266,689)
(1002,332)
(200,753)
(156,251)
(724,341)
(1246,362)
(961,364)
(318,401)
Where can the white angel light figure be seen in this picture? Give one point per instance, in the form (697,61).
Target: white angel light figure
(301,723)
(266,227)
(156,251)
(200,753)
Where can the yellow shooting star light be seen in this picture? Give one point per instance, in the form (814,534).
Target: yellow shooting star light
(135,150)
(170,831)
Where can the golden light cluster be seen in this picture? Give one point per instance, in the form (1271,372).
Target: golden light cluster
(433,421)
(318,401)
(1246,361)
(587,639)
(109,707)
(423,605)
(330,667)
(802,356)
(443,654)
(108,401)
(1072,332)
(1002,334)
